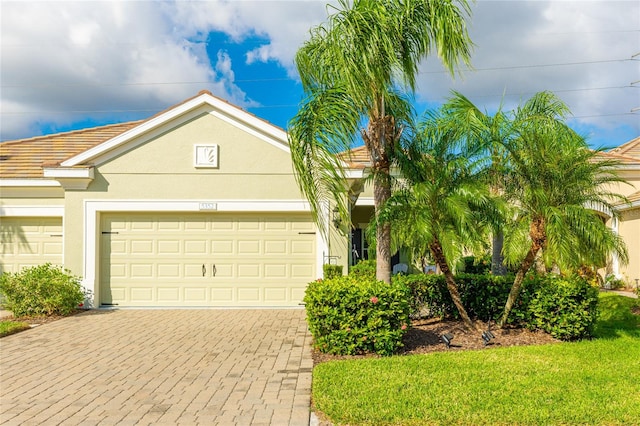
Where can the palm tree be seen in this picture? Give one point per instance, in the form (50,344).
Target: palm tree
(489,133)
(444,202)
(557,184)
(354,69)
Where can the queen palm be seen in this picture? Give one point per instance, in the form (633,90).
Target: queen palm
(487,133)
(444,202)
(557,184)
(354,70)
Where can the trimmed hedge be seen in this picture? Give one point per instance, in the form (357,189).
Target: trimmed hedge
(331,271)
(364,269)
(41,290)
(350,315)
(565,307)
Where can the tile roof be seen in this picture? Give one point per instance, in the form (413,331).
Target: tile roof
(629,149)
(24,158)
(357,158)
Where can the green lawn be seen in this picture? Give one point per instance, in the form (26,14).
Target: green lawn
(593,382)
(10,327)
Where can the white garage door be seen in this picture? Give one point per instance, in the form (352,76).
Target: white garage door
(206,259)
(29,241)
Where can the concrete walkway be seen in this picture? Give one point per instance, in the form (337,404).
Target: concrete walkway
(160,367)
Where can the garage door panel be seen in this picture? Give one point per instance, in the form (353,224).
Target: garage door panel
(30,241)
(168,247)
(249,270)
(141,247)
(222,295)
(249,259)
(248,247)
(277,294)
(142,294)
(198,247)
(223,270)
(249,294)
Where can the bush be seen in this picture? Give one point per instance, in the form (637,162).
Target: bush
(331,271)
(483,296)
(565,307)
(364,269)
(350,315)
(428,295)
(41,290)
(611,282)
(476,265)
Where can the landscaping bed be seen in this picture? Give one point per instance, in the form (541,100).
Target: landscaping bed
(424,337)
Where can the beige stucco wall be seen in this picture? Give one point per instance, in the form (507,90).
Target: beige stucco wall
(629,229)
(162,168)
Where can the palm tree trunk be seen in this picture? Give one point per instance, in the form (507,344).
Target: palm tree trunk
(497,259)
(381,193)
(517,283)
(438,255)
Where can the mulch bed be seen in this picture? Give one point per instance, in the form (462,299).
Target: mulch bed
(424,337)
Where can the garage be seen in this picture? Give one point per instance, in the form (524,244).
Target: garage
(205,259)
(30,241)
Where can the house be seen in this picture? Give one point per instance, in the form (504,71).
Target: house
(195,206)
(628,225)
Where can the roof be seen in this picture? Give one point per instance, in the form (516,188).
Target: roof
(357,158)
(629,149)
(25,158)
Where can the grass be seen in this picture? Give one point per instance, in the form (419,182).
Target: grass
(10,327)
(594,382)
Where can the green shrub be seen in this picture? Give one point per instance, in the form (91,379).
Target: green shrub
(476,265)
(428,295)
(611,282)
(565,307)
(331,271)
(364,269)
(483,296)
(41,290)
(350,315)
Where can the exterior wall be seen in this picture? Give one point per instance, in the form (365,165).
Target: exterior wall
(158,174)
(629,229)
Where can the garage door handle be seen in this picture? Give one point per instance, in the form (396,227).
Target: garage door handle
(204,270)
(214,270)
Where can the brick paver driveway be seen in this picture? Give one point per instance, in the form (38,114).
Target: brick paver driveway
(159,367)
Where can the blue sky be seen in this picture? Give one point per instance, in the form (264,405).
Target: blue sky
(67,65)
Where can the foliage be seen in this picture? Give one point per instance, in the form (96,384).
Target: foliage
(361,67)
(612,282)
(475,264)
(41,290)
(565,307)
(483,296)
(556,183)
(592,382)
(365,269)
(11,327)
(331,271)
(352,315)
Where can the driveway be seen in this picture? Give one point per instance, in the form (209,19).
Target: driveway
(158,367)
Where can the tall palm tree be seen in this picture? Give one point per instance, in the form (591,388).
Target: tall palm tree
(489,133)
(444,200)
(354,70)
(558,183)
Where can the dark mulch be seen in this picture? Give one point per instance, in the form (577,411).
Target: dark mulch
(424,337)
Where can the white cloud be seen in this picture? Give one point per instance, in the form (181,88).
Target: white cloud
(581,50)
(138,57)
